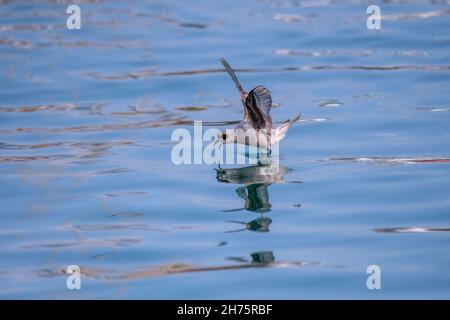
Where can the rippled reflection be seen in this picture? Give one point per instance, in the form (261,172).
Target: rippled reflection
(260,224)
(260,259)
(255,181)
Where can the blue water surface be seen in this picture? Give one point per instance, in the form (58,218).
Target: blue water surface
(86,176)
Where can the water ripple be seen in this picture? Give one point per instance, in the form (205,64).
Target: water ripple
(33,158)
(413,229)
(392,160)
(145,73)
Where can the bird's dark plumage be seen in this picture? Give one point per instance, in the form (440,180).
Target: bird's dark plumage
(263,99)
(257,102)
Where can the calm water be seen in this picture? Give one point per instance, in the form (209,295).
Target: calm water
(86,177)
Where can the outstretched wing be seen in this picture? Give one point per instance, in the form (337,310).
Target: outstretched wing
(280,132)
(230,71)
(257,106)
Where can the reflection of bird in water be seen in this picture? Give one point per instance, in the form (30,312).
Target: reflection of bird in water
(256,198)
(260,224)
(257,104)
(252,174)
(263,257)
(255,180)
(260,257)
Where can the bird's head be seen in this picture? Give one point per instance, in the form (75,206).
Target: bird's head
(225,136)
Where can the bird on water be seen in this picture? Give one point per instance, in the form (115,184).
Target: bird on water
(256,127)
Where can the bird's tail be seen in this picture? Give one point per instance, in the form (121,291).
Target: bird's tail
(232,75)
(280,132)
